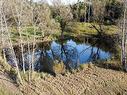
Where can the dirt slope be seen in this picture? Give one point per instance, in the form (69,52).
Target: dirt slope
(7,86)
(90,81)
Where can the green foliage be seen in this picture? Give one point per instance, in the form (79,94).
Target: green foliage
(80,11)
(30,32)
(108,11)
(113,11)
(62,14)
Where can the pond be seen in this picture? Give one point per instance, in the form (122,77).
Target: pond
(70,53)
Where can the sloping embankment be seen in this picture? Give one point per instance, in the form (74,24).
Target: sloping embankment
(90,81)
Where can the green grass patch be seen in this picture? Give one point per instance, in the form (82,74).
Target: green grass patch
(30,32)
(77,28)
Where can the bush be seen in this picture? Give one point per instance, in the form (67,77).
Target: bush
(113,11)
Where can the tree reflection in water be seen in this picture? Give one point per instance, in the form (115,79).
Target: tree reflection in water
(73,55)
(70,53)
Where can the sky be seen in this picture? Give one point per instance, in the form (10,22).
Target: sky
(64,1)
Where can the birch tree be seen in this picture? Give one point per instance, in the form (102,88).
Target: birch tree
(6,37)
(124,32)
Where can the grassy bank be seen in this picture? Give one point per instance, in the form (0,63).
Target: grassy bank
(30,33)
(73,29)
(76,29)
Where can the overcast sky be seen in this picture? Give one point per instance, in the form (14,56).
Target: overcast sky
(64,1)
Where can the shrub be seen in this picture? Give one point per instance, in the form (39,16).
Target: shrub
(113,11)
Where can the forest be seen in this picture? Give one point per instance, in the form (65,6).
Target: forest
(63,47)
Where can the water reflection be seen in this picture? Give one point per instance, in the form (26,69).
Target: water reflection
(69,52)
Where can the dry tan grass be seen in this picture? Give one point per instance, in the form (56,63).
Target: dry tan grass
(92,80)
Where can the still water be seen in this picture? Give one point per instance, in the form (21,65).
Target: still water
(70,53)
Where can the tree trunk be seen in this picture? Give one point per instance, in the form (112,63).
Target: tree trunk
(123,56)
